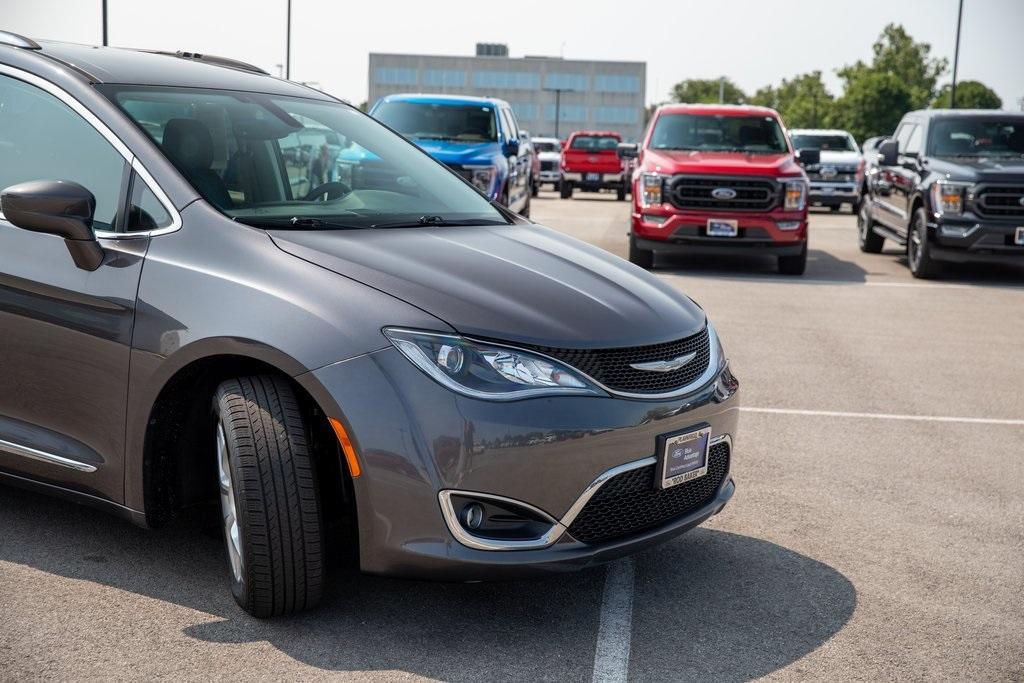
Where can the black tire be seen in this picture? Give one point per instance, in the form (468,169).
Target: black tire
(565,190)
(869,241)
(640,257)
(794,265)
(854,208)
(525,213)
(834,209)
(534,188)
(274,486)
(919,257)
(620,193)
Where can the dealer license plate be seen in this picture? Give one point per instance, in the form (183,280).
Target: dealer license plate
(684,457)
(720,227)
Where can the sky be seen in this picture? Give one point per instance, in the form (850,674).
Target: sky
(753,42)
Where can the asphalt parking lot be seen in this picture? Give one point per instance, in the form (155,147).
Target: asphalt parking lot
(877,531)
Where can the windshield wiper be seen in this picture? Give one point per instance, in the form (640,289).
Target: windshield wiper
(425,221)
(293,223)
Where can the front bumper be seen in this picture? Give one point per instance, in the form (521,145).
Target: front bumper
(416,439)
(585,180)
(832,194)
(971,239)
(779,233)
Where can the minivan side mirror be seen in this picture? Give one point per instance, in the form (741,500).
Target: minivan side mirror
(628,150)
(808,157)
(887,153)
(56,207)
(511,148)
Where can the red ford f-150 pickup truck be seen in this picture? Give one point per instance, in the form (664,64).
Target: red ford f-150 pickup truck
(590,163)
(718,179)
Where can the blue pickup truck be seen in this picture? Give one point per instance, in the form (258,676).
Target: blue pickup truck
(477,137)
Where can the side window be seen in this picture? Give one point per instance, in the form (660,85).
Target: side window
(903,135)
(145,212)
(914,141)
(41,138)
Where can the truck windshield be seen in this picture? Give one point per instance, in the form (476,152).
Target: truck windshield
(980,137)
(594,143)
(547,146)
(825,143)
(275,161)
(704,132)
(440,121)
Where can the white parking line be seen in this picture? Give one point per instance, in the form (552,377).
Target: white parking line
(886,416)
(615,630)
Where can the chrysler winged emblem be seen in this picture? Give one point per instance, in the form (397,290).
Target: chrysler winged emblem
(665,365)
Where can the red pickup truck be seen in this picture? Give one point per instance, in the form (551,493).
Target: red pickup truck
(590,163)
(718,179)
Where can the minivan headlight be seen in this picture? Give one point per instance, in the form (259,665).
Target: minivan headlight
(482,177)
(796,195)
(487,371)
(948,198)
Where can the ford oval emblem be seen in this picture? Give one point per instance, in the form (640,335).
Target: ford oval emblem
(723,193)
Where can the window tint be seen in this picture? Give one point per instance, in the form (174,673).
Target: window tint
(41,138)
(902,135)
(439,120)
(145,211)
(914,141)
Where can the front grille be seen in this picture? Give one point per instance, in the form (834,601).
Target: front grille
(549,165)
(837,178)
(630,503)
(611,367)
(1000,201)
(695,192)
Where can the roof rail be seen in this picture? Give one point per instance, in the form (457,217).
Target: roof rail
(15,40)
(212,59)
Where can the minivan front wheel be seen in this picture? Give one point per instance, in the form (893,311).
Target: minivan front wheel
(270,505)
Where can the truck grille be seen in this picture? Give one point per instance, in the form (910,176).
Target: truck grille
(611,367)
(1000,201)
(696,192)
(630,503)
(549,165)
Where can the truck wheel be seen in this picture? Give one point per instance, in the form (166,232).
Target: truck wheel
(620,193)
(919,257)
(525,213)
(794,265)
(565,189)
(269,499)
(534,188)
(870,242)
(640,257)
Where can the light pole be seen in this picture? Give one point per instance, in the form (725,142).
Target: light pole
(956,56)
(558,104)
(287,44)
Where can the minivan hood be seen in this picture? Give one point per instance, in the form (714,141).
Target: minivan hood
(526,284)
(978,169)
(449,152)
(734,163)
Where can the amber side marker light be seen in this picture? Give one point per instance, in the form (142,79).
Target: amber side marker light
(346,447)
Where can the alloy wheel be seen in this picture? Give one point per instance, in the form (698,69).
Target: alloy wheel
(227,506)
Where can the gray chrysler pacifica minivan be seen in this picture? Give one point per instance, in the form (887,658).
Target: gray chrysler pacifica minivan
(218,288)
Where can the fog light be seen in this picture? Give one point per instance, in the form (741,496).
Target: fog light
(956,230)
(788,225)
(657,220)
(473,515)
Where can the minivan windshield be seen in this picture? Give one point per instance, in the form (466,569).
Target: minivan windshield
(825,143)
(275,161)
(977,137)
(719,133)
(458,122)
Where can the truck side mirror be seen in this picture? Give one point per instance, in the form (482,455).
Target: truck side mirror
(56,207)
(511,148)
(808,157)
(888,153)
(628,150)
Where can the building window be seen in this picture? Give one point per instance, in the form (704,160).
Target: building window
(506,80)
(566,81)
(615,83)
(524,111)
(395,76)
(611,114)
(451,78)
(568,112)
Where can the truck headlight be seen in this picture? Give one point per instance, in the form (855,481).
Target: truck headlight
(482,177)
(948,198)
(651,188)
(487,371)
(796,195)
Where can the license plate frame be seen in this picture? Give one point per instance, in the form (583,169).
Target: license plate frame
(723,227)
(683,456)
(592,177)
(1018,237)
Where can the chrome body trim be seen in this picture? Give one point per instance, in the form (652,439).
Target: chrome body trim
(42,456)
(559,527)
(114,141)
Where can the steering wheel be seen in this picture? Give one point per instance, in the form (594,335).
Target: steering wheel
(331,190)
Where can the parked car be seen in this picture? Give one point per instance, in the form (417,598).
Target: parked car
(590,163)
(386,368)
(549,152)
(476,137)
(526,141)
(718,179)
(836,178)
(949,187)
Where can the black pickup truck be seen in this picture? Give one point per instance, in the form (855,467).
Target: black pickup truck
(949,187)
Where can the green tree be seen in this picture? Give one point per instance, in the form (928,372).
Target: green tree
(803,101)
(896,53)
(872,104)
(705,91)
(969,95)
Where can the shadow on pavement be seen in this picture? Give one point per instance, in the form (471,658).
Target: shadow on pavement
(708,603)
(822,266)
